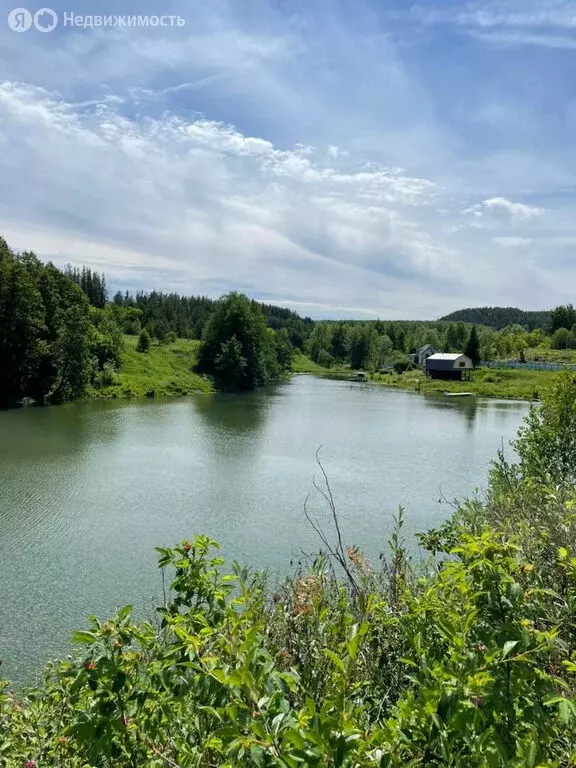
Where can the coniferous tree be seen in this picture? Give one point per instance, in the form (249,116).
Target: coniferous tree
(143,344)
(472,348)
(50,345)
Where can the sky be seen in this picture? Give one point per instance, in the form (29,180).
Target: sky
(344,158)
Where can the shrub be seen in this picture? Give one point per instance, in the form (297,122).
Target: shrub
(401,366)
(325,359)
(107,377)
(143,344)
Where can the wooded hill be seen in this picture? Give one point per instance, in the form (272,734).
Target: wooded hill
(500,317)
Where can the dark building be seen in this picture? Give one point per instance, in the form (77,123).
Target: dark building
(448,365)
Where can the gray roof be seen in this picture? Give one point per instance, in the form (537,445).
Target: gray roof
(425,347)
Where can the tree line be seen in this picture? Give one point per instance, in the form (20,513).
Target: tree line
(53,344)
(162,314)
(500,317)
(59,335)
(373,344)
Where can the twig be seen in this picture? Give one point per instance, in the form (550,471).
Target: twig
(338,552)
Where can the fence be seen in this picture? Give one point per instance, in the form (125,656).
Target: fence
(529,366)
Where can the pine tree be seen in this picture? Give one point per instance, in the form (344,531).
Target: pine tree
(143,341)
(473,347)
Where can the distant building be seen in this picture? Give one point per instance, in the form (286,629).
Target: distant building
(423,354)
(448,365)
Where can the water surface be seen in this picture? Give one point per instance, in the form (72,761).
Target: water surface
(88,490)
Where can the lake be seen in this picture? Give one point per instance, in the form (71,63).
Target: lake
(88,490)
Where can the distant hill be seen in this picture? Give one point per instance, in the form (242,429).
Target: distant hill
(500,317)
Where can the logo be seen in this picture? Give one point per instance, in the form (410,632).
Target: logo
(20,20)
(45,20)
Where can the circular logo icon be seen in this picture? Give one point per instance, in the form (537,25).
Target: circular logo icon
(19,20)
(45,20)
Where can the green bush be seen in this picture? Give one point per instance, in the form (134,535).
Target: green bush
(144,341)
(401,366)
(107,377)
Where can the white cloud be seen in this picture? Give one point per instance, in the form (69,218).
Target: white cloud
(510,38)
(487,14)
(513,242)
(543,23)
(335,152)
(207,207)
(501,208)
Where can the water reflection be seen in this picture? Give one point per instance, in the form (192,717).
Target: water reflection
(474,409)
(231,413)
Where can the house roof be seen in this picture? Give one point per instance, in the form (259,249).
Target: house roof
(445,361)
(425,347)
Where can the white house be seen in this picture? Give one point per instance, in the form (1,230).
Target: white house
(448,365)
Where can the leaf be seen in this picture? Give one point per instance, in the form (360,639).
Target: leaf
(123,613)
(509,645)
(119,681)
(83,636)
(530,756)
(335,660)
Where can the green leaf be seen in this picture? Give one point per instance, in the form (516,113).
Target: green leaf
(123,613)
(509,645)
(83,636)
(335,660)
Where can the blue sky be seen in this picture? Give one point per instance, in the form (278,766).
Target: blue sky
(346,159)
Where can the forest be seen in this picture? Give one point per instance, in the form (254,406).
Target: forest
(62,337)
(500,317)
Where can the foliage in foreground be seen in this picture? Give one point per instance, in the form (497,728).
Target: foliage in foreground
(468,662)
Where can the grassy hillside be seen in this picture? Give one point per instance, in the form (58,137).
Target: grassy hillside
(165,369)
(303,364)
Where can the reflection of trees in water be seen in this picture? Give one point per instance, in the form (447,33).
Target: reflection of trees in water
(466,406)
(55,432)
(471,407)
(238,413)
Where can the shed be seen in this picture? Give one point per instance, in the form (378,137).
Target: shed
(448,365)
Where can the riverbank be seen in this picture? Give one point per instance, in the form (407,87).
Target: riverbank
(165,370)
(499,383)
